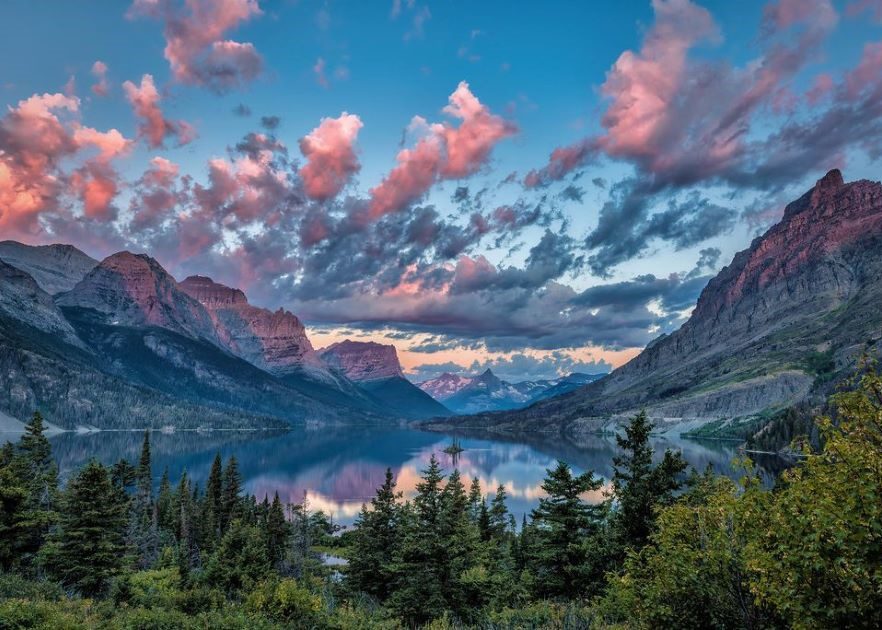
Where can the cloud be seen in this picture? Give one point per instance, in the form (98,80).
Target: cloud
(99,71)
(442,152)
(195,48)
(330,156)
(154,127)
(318,69)
(36,138)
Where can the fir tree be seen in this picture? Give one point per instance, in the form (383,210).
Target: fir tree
(476,497)
(418,595)
(38,474)
(212,504)
(88,549)
(377,536)
(277,531)
(231,502)
(13,518)
(142,535)
(638,486)
(562,523)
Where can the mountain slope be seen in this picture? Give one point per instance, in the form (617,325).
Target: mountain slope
(55,268)
(376,369)
(801,302)
(487,392)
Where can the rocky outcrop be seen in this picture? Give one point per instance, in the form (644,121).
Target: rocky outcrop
(275,341)
(134,290)
(808,287)
(55,268)
(23,301)
(363,361)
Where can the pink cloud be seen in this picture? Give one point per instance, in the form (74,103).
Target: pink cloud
(35,138)
(857,7)
(195,48)
(330,156)
(443,152)
(154,127)
(867,72)
(821,87)
(99,71)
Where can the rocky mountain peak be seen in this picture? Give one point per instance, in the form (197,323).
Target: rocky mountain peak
(211,293)
(275,341)
(134,290)
(363,360)
(55,268)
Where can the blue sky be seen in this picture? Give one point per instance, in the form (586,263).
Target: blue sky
(695,118)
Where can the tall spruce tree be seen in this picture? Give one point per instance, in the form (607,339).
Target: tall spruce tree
(277,532)
(38,474)
(231,502)
(13,503)
(88,548)
(376,540)
(212,504)
(419,596)
(459,541)
(143,536)
(639,487)
(562,523)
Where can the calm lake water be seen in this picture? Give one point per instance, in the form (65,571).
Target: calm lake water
(339,468)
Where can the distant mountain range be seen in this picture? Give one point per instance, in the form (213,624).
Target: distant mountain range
(120,343)
(487,392)
(776,328)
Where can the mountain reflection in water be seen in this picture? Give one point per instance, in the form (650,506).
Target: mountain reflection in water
(339,468)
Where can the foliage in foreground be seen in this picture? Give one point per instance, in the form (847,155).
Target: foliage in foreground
(109,553)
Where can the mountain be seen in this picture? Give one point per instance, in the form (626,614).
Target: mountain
(128,347)
(565,385)
(55,268)
(487,392)
(376,369)
(273,341)
(785,319)
(445,386)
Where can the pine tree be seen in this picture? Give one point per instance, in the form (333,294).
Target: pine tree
(459,541)
(239,562)
(418,595)
(498,516)
(277,531)
(639,487)
(13,501)
(231,502)
(88,549)
(212,504)
(38,474)
(187,551)
(476,497)
(562,523)
(165,512)
(143,536)
(376,540)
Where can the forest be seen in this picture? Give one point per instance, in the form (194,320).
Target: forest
(666,547)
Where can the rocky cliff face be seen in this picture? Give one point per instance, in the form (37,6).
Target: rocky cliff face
(134,290)
(809,286)
(55,268)
(363,361)
(23,301)
(273,341)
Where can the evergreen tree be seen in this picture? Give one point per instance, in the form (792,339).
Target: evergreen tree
(638,486)
(38,474)
(13,518)
(562,523)
(231,502)
(277,531)
(476,497)
(376,540)
(88,548)
(165,512)
(418,595)
(212,504)
(459,542)
(142,534)
(187,552)
(498,516)
(240,561)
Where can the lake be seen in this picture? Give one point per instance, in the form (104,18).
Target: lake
(338,468)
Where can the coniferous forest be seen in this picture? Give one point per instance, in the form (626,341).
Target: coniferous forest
(668,548)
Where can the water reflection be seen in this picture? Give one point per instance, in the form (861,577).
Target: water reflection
(337,469)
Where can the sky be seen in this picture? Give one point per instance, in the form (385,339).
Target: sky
(539,188)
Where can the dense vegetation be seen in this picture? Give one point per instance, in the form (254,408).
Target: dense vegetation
(665,549)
